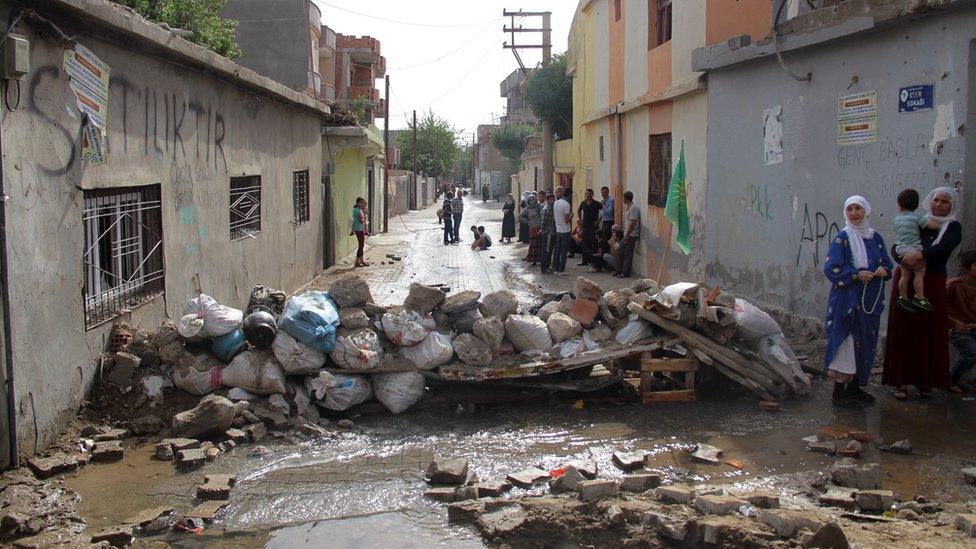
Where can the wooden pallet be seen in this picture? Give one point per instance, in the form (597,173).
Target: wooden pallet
(680,372)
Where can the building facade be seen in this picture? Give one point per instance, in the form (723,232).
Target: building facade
(491,169)
(517,111)
(357,67)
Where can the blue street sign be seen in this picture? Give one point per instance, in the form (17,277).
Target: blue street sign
(915,98)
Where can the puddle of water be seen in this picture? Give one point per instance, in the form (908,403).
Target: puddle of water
(382,530)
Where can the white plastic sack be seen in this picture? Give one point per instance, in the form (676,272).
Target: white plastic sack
(399,391)
(634,331)
(255,371)
(776,352)
(339,391)
(404,329)
(217,319)
(196,382)
(237,393)
(571,347)
(671,295)
(295,357)
(753,322)
(527,332)
(360,350)
(435,350)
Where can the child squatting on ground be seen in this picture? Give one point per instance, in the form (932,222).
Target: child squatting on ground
(907,225)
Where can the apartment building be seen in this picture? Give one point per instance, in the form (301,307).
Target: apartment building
(358,64)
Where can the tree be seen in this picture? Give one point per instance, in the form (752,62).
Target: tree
(549,93)
(510,140)
(462,168)
(358,107)
(202,17)
(436,146)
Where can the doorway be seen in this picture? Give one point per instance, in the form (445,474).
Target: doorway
(328,229)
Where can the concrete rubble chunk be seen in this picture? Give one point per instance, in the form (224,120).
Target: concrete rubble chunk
(207,510)
(109,450)
(227,480)
(256,432)
(48,467)
(472,350)
(528,478)
(706,453)
(193,457)
(226,446)
(465,493)
(846,472)
(312,430)
(501,522)
(460,302)
(828,447)
(587,289)
(447,471)
(718,505)
(492,488)
(164,452)
(786,522)
(562,327)
(111,434)
(898,447)
(875,500)
(591,490)
(147,516)
(567,482)
(353,318)
(640,482)
(440,493)
(491,330)
(615,515)
(213,491)
(675,493)
(851,448)
(838,497)
(146,425)
(829,536)
(628,461)
(464,511)
(117,536)
(237,436)
(763,500)
(423,299)
(181,443)
(501,304)
(123,368)
(586,467)
(966,524)
(969,474)
(350,291)
(213,415)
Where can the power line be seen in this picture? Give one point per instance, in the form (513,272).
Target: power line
(474,66)
(446,55)
(410,23)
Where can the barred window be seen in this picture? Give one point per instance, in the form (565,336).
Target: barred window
(663,20)
(123,259)
(245,206)
(601,149)
(660,169)
(300,194)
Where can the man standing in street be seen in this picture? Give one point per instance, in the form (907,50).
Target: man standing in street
(563,213)
(548,231)
(588,219)
(457,207)
(484,193)
(606,212)
(632,228)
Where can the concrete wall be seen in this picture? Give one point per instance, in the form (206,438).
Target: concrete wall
(777,220)
(171,125)
(276,42)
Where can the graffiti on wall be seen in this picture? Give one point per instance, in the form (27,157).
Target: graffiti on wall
(759,202)
(815,235)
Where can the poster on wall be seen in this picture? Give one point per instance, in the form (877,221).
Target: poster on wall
(773,135)
(89,83)
(857,118)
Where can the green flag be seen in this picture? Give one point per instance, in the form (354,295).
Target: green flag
(676,208)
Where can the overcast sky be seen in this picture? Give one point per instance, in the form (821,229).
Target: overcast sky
(418,38)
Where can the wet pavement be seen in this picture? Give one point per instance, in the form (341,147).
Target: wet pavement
(365,487)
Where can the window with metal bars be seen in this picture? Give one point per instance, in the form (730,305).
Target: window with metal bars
(662,24)
(601,148)
(123,258)
(300,194)
(616,10)
(245,206)
(660,169)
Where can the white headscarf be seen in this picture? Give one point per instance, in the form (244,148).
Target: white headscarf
(857,234)
(944,220)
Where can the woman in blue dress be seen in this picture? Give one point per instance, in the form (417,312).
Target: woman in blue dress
(857,265)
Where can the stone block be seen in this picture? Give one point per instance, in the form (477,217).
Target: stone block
(586,467)
(568,482)
(213,491)
(256,432)
(462,512)
(828,447)
(875,500)
(786,522)
(111,434)
(615,515)
(969,474)
(109,450)
(584,311)
(838,497)
(441,493)
(118,536)
(592,490)
(492,488)
(847,473)
(628,461)
(226,480)
(763,500)
(675,493)
(142,518)
(966,524)
(207,510)
(423,299)
(48,467)
(237,436)
(164,451)
(465,493)
(528,478)
(123,369)
(718,505)
(226,446)
(181,443)
(706,453)
(447,471)
(829,535)
(193,457)
(640,482)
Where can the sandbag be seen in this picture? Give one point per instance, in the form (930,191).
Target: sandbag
(404,328)
(350,291)
(562,327)
(753,322)
(776,352)
(472,350)
(311,318)
(527,333)
(213,415)
(399,391)
(295,357)
(634,331)
(501,304)
(204,317)
(360,350)
(196,382)
(435,350)
(339,391)
(255,371)
(491,330)
(571,347)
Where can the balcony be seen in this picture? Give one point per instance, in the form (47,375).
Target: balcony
(327,41)
(361,49)
(366,92)
(315,82)
(328,92)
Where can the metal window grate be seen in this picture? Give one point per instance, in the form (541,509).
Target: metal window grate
(245,206)
(123,258)
(300,193)
(663,21)
(660,169)
(601,148)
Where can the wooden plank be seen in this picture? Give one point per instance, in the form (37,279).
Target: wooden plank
(669,365)
(669,396)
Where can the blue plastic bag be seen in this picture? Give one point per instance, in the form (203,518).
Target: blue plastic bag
(311,318)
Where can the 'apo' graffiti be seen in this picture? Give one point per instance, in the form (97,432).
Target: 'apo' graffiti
(162,121)
(817,230)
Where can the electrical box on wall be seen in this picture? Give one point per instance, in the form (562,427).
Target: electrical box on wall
(14,57)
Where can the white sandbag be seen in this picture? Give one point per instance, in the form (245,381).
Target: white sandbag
(237,393)
(295,357)
(217,319)
(399,391)
(303,402)
(776,352)
(435,350)
(635,330)
(255,371)
(196,382)
(360,350)
(671,295)
(527,333)
(339,391)
(404,329)
(571,347)
(753,322)
(562,327)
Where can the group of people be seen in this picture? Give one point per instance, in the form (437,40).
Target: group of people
(931,310)
(450,213)
(548,226)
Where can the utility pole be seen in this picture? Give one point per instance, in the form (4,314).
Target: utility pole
(546,47)
(386,157)
(413,188)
